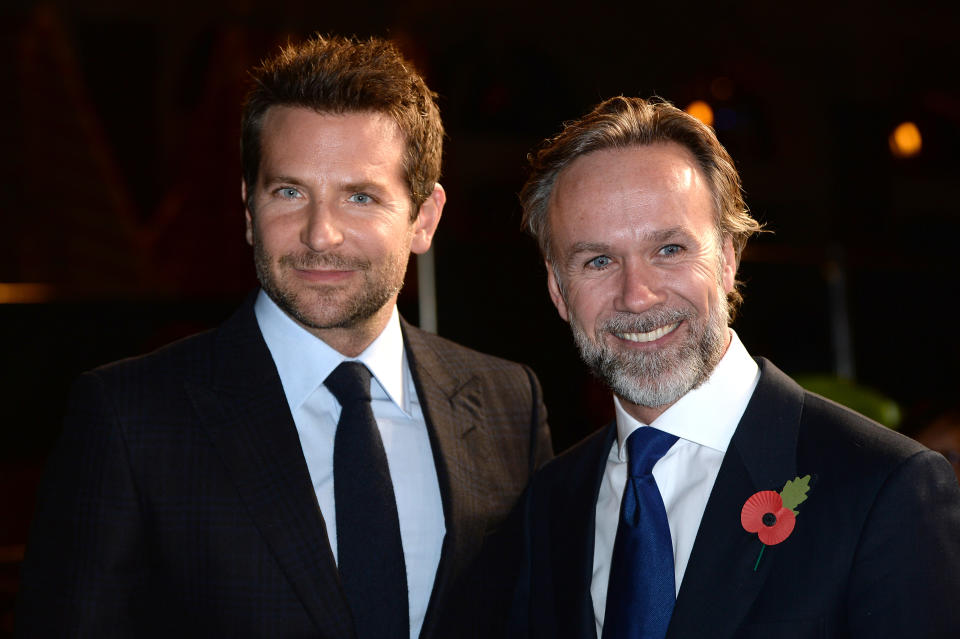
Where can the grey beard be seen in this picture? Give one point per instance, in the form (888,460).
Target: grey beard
(663,377)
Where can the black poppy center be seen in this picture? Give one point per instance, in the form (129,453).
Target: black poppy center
(769,519)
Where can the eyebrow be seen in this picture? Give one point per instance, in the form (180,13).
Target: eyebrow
(667,234)
(353,187)
(588,247)
(275,179)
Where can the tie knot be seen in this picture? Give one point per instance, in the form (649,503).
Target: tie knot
(645,447)
(349,382)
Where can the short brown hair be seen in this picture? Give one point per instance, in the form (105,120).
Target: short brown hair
(343,75)
(623,122)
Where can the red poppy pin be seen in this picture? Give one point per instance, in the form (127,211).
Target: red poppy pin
(773,515)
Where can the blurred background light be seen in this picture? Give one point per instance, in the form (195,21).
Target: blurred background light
(24,293)
(701,111)
(905,141)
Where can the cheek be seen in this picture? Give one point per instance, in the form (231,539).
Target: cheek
(269,236)
(588,300)
(389,242)
(281,232)
(703,282)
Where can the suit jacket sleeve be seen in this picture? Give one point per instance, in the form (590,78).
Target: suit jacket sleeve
(85,570)
(905,578)
(502,552)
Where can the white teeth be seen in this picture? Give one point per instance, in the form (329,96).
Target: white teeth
(648,337)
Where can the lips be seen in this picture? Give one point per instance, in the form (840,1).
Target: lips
(323,275)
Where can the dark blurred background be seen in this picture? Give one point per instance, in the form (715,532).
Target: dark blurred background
(123,228)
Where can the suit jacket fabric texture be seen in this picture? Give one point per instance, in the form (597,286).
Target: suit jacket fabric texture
(875,551)
(178,501)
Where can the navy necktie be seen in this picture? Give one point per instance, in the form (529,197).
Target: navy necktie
(641,592)
(369,551)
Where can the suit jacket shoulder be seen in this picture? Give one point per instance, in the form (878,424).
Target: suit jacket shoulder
(178,499)
(500,398)
(179,479)
(875,549)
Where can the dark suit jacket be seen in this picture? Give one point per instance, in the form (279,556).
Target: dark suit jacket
(178,502)
(875,551)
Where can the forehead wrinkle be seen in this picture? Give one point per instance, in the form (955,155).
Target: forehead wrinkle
(335,149)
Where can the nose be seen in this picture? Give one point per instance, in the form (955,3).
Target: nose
(322,228)
(641,288)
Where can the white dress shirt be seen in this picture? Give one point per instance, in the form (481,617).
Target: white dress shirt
(704,421)
(304,362)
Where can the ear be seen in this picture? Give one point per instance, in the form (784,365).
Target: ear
(246,211)
(728,273)
(427,220)
(554,287)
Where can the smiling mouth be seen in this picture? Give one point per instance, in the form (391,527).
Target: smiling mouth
(649,337)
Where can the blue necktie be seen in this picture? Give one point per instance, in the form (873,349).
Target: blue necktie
(641,592)
(369,549)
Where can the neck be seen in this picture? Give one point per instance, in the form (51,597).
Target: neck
(643,414)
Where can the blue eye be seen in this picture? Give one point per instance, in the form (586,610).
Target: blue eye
(601,261)
(360,198)
(288,193)
(671,249)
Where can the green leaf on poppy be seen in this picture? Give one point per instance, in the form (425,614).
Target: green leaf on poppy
(794,492)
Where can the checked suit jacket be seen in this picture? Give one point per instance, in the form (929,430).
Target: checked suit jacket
(875,551)
(178,502)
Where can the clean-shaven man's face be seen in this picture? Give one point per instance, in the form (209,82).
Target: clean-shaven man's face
(639,271)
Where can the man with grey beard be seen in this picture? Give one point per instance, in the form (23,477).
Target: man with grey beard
(724,500)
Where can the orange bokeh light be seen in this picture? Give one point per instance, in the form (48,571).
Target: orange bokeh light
(701,111)
(905,141)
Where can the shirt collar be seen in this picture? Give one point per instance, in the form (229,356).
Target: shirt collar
(708,415)
(304,361)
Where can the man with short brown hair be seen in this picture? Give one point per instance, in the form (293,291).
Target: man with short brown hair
(316,466)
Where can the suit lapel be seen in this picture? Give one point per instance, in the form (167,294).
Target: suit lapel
(451,402)
(573,535)
(720,583)
(244,410)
